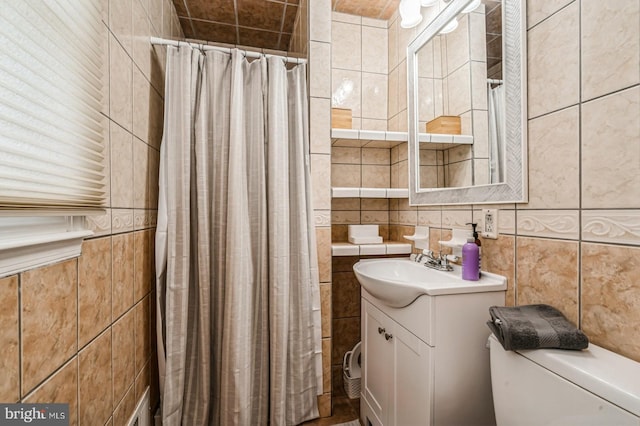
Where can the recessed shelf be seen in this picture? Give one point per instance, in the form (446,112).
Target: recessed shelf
(388,247)
(383,139)
(367,138)
(441,141)
(340,192)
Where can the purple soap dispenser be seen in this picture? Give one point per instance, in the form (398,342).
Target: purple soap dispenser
(470,260)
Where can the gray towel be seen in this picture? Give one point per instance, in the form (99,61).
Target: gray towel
(534,327)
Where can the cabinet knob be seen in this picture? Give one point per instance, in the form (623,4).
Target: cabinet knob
(381,330)
(388,336)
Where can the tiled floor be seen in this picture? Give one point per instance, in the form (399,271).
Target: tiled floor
(344,410)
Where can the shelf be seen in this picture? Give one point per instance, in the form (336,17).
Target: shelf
(383,139)
(369,192)
(367,138)
(439,141)
(388,247)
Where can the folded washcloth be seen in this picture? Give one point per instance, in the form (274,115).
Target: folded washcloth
(534,327)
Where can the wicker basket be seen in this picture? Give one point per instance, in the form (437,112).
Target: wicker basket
(351,383)
(351,386)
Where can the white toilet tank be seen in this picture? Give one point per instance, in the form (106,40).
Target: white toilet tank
(563,388)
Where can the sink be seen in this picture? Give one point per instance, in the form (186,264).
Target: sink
(397,282)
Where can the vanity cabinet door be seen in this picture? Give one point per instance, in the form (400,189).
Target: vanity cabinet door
(397,379)
(413,380)
(377,360)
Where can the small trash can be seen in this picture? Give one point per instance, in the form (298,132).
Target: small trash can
(351,372)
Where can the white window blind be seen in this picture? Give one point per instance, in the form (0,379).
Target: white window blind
(51,129)
(51,126)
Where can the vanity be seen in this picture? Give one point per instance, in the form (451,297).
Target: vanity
(424,359)
(423,331)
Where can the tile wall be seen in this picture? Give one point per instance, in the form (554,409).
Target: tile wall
(359,69)
(452,73)
(82,331)
(398,39)
(576,243)
(346,316)
(585,206)
(319,50)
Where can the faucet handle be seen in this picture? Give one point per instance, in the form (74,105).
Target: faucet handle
(427,252)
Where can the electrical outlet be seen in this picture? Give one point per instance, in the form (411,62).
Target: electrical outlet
(490,223)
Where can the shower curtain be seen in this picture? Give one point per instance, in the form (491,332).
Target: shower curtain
(237,276)
(496,133)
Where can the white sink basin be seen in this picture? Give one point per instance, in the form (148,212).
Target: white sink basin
(399,281)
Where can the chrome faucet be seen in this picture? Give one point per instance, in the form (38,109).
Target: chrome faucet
(430,260)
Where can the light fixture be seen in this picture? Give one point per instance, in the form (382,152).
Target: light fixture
(472,6)
(428,3)
(410,13)
(452,25)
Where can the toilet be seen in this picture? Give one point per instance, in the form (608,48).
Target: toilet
(561,387)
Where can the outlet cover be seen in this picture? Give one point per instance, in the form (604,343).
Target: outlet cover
(490,223)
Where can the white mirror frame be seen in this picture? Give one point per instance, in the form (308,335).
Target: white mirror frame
(514,189)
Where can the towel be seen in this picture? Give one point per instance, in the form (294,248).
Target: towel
(534,327)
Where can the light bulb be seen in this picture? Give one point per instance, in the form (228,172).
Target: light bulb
(452,25)
(428,3)
(410,13)
(472,6)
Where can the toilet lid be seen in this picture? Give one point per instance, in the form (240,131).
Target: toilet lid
(353,363)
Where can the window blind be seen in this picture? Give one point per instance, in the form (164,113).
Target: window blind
(51,126)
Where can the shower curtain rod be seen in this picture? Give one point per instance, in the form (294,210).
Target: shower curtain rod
(247,53)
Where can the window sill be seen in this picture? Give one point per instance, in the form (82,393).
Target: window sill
(27,247)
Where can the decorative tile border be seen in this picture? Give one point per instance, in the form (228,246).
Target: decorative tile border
(432,218)
(121,220)
(611,226)
(100,224)
(406,217)
(153,218)
(141,219)
(552,223)
(345,217)
(506,222)
(322,217)
(456,219)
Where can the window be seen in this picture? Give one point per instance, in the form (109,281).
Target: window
(51,129)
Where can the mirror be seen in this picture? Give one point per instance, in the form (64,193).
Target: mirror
(467,106)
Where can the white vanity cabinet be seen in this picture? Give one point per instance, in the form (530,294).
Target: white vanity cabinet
(396,374)
(427,363)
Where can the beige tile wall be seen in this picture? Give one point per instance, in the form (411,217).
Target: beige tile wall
(398,40)
(346,316)
(319,48)
(359,69)
(575,244)
(85,325)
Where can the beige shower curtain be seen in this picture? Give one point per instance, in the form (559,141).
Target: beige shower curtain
(238,295)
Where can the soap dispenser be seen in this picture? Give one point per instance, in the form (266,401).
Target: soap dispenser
(478,243)
(470,260)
